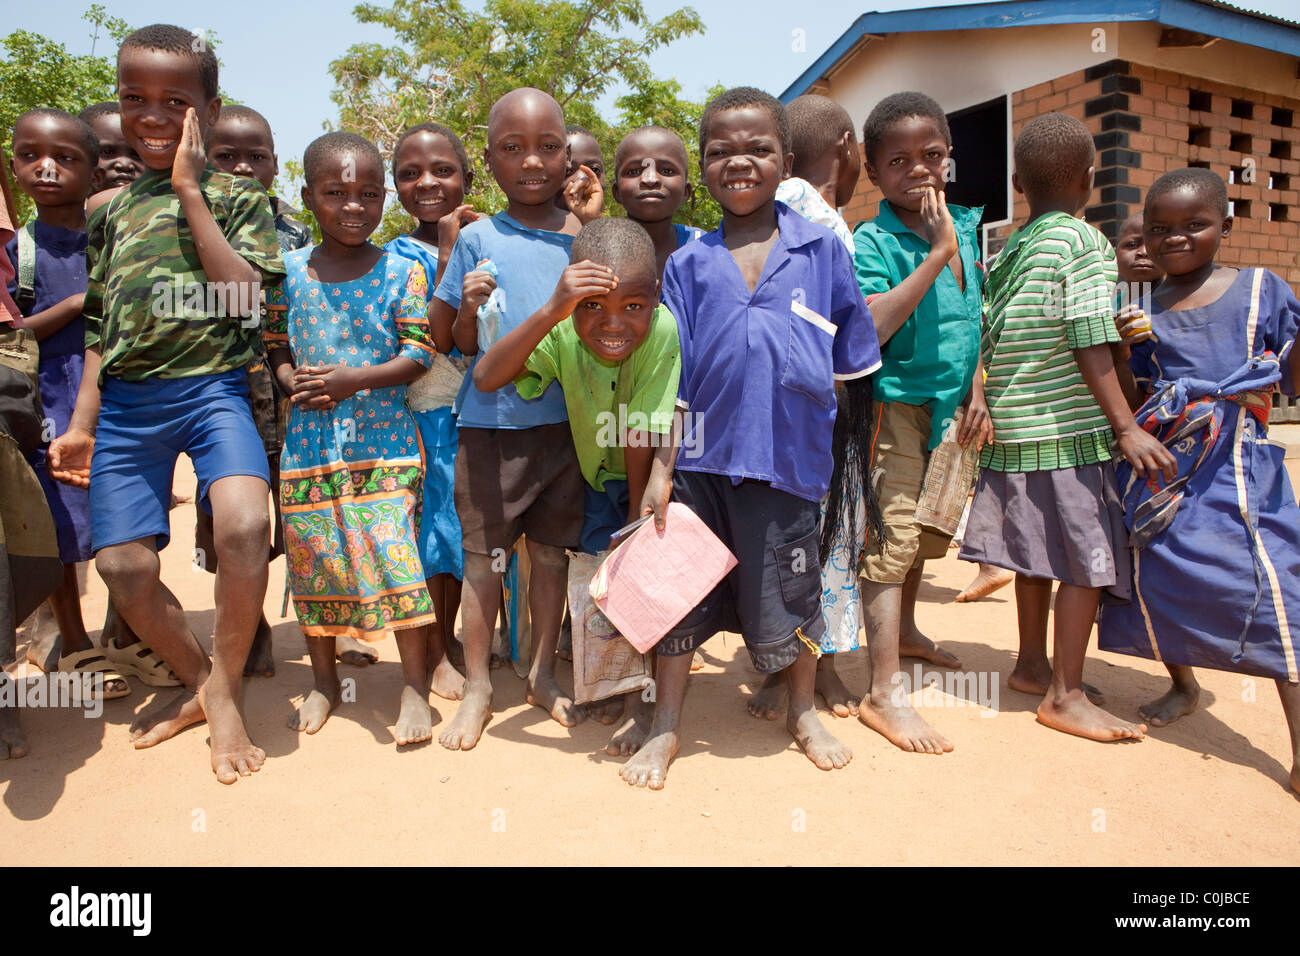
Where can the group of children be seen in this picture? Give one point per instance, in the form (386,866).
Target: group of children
(785,378)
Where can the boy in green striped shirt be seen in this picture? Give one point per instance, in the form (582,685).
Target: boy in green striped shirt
(1046,505)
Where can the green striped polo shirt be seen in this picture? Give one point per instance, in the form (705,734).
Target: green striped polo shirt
(1048,292)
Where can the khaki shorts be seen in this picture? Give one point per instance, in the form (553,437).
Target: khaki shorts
(899,455)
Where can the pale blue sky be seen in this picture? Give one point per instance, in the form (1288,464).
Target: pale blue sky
(275,55)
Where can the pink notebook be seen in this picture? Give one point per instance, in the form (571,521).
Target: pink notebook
(656,577)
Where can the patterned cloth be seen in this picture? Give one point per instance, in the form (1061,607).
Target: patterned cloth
(351,476)
(1219,586)
(147,298)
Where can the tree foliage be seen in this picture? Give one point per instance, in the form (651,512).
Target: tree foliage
(451,64)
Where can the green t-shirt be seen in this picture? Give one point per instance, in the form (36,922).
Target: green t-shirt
(931,359)
(1049,292)
(607,399)
(149,307)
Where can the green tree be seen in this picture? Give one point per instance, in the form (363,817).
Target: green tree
(451,64)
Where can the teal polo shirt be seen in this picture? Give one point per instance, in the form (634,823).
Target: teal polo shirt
(931,359)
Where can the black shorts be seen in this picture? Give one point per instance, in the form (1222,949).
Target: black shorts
(518,481)
(773,595)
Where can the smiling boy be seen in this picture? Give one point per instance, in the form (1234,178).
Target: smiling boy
(159,385)
(768,317)
(516,470)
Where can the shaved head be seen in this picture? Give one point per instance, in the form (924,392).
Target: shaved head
(524,105)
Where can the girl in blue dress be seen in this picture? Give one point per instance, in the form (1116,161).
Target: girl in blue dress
(1216,554)
(346,333)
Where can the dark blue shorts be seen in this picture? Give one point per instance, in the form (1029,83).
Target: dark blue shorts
(603,513)
(144,427)
(774,593)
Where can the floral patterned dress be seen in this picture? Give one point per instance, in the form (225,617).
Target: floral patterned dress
(351,476)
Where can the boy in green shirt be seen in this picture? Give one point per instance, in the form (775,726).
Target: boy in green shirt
(618,362)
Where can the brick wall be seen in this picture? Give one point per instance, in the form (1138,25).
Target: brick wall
(1146,122)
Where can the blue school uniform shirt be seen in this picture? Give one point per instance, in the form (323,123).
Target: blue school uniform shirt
(60,271)
(759,368)
(529,263)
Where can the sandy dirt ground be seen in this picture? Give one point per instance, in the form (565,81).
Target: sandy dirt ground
(1209,790)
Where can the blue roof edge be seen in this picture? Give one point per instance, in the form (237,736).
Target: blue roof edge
(1238,26)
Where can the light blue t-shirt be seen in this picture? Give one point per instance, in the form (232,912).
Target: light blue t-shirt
(529,263)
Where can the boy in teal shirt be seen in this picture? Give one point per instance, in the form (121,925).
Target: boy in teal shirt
(618,363)
(917,263)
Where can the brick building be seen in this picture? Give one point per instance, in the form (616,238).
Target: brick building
(1162,84)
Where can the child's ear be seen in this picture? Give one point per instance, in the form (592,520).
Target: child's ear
(211,112)
(872,176)
(306,198)
(96,179)
(1227,227)
(468,178)
(487,158)
(275,165)
(1015,182)
(787,170)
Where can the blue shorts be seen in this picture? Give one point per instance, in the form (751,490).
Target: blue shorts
(603,513)
(144,427)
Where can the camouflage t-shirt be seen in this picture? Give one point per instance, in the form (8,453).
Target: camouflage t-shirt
(149,307)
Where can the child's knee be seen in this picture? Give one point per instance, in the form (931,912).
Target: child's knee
(548,556)
(481,567)
(127,571)
(243,536)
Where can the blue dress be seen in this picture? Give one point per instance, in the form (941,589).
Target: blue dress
(350,476)
(431,399)
(1219,586)
(60,272)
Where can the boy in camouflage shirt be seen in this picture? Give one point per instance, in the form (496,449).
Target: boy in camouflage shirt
(175,268)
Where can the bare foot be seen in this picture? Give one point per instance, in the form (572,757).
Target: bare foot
(1295,777)
(233,754)
(608,710)
(447,682)
(456,654)
(988,580)
(649,766)
(14,745)
(1037,679)
(46,648)
(769,700)
(548,696)
(310,716)
(902,726)
(165,719)
(915,644)
(467,726)
(631,734)
(818,743)
(260,663)
(697,662)
(1075,714)
(415,719)
(832,690)
(357,653)
(1177,702)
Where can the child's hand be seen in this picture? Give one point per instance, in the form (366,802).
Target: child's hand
(307,389)
(190,159)
(585,196)
(976,422)
(476,288)
(936,224)
(658,491)
(68,458)
(1146,454)
(581,280)
(1134,324)
(450,224)
(336,382)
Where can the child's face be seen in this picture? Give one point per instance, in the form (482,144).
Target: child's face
(1132,261)
(347,197)
(527,150)
(119,164)
(650,179)
(427,172)
(614,325)
(154,90)
(50,162)
(243,148)
(910,156)
(1183,230)
(585,151)
(743,161)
